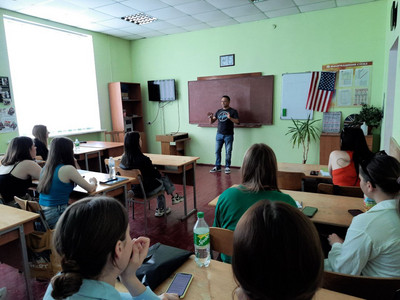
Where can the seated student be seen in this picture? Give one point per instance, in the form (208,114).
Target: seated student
(276,254)
(372,243)
(41,135)
(101,250)
(58,179)
(343,164)
(17,169)
(133,158)
(259,181)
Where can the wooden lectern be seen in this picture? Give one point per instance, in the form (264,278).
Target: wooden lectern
(173,143)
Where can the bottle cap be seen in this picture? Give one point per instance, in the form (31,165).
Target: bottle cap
(200,214)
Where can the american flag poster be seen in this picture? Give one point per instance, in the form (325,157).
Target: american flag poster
(321,90)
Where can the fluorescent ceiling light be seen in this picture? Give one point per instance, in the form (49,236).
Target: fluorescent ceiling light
(139,19)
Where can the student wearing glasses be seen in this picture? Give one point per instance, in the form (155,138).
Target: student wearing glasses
(344,163)
(372,243)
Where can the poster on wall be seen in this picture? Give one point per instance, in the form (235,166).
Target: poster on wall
(8,119)
(353,84)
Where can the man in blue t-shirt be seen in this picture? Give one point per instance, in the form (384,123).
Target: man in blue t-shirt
(226,116)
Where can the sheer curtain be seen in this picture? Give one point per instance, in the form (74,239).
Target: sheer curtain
(53,78)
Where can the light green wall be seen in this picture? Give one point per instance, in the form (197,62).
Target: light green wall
(299,43)
(113,63)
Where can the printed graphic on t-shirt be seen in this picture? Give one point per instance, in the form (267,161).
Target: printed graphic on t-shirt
(223,116)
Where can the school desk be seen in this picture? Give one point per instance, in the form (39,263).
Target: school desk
(332,209)
(15,224)
(216,282)
(304,168)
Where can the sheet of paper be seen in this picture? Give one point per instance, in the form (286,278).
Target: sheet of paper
(346,78)
(362,77)
(343,97)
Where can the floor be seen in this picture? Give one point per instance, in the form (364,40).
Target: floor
(170,231)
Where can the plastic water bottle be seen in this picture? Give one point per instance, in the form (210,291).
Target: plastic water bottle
(201,233)
(77,144)
(111,167)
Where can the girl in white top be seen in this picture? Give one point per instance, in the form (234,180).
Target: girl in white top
(18,168)
(372,243)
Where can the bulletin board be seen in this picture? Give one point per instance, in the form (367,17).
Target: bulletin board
(251,96)
(295,88)
(353,84)
(8,118)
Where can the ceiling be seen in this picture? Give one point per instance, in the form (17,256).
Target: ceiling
(174,16)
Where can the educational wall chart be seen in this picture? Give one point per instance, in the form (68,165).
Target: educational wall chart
(8,119)
(353,84)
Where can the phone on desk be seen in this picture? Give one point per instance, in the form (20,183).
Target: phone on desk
(314,173)
(310,211)
(355,212)
(180,284)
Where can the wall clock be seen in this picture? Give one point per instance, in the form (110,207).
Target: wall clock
(227,60)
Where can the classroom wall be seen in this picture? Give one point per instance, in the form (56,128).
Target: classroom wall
(299,43)
(112,59)
(391,37)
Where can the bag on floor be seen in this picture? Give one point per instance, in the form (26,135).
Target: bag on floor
(160,263)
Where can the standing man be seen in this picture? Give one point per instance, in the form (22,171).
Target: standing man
(226,116)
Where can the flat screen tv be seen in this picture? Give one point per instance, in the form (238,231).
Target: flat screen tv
(161,90)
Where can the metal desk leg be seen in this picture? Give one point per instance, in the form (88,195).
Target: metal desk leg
(98,153)
(187,215)
(86,162)
(194,187)
(25,262)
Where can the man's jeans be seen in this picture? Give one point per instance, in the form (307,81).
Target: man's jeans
(220,140)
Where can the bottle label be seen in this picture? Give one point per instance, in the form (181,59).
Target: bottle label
(202,239)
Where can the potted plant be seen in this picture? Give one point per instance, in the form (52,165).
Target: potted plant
(302,133)
(371,115)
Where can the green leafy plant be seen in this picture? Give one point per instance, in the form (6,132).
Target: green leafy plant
(302,133)
(372,116)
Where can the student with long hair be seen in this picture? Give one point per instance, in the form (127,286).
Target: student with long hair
(58,179)
(344,163)
(372,243)
(18,168)
(93,240)
(259,181)
(41,135)
(276,254)
(133,158)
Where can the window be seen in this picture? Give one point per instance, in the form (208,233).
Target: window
(53,78)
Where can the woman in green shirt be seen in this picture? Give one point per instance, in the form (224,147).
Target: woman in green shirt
(259,181)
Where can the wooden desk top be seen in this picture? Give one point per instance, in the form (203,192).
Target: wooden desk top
(87,150)
(332,209)
(101,188)
(305,168)
(171,160)
(11,217)
(101,144)
(216,282)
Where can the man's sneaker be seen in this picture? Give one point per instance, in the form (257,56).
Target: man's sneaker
(215,169)
(161,211)
(177,199)
(227,170)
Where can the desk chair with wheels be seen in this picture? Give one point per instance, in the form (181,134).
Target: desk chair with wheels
(221,240)
(351,191)
(370,288)
(291,180)
(114,136)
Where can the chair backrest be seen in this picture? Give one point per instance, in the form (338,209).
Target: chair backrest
(32,206)
(221,240)
(114,136)
(351,191)
(134,173)
(370,288)
(291,180)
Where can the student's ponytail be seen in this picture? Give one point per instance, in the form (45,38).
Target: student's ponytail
(68,282)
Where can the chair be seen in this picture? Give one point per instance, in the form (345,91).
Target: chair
(32,206)
(351,191)
(114,136)
(291,180)
(221,240)
(137,176)
(370,288)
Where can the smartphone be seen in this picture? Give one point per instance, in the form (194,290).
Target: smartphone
(355,212)
(310,211)
(314,173)
(180,284)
